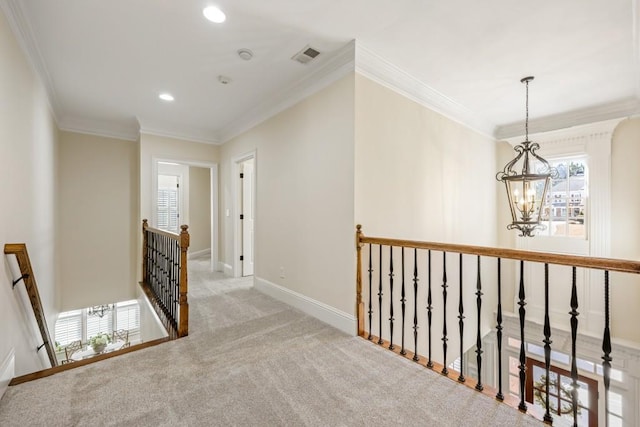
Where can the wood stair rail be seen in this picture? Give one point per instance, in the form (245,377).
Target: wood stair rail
(20,251)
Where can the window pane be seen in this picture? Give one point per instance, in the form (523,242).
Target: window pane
(97,324)
(68,327)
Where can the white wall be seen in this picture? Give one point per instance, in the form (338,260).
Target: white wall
(98,205)
(422,176)
(199,209)
(304,196)
(28,150)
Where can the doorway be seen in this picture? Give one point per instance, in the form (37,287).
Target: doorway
(245,172)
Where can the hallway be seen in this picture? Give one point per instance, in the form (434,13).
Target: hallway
(252,361)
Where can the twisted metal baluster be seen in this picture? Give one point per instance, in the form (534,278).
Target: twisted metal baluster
(403,301)
(606,348)
(445,371)
(370,295)
(415,304)
(499,328)
(380,341)
(461,377)
(391,319)
(547,344)
(574,335)
(479,352)
(523,358)
(429,309)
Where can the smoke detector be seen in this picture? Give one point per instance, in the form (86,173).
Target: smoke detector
(306,55)
(224,79)
(245,54)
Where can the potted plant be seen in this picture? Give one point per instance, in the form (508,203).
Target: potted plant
(99,342)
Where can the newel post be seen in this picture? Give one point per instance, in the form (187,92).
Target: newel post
(359,303)
(145,225)
(183,327)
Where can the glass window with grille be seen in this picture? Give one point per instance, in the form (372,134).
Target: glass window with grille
(565,210)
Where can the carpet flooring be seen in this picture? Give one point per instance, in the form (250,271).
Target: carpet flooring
(252,361)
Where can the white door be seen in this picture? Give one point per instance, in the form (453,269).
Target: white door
(247,217)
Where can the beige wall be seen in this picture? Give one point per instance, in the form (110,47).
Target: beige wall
(304,196)
(28,150)
(199,209)
(625,237)
(98,206)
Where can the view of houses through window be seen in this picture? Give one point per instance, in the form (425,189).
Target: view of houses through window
(565,212)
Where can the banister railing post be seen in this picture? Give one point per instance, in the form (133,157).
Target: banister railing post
(183,327)
(359,303)
(145,255)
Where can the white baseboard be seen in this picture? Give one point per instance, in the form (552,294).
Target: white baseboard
(197,254)
(336,318)
(7,371)
(225,268)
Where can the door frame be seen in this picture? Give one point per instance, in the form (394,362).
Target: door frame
(237,202)
(213,199)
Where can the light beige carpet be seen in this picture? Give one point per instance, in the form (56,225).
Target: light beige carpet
(252,361)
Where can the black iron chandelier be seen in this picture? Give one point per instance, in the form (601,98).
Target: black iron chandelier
(527,189)
(99,310)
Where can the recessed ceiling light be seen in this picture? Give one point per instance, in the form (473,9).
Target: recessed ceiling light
(245,54)
(224,79)
(166,97)
(214,14)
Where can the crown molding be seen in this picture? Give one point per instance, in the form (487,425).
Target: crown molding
(338,66)
(380,70)
(99,128)
(189,137)
(615,110)
(570,136)
(23,32)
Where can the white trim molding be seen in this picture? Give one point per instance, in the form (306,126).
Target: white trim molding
(382,71)
(321,311)
(198,254)
(7,371)
(202,137)
(100,128)
(225,268)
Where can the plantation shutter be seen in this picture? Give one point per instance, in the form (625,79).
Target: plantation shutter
(96,324)
(128,317)
(68,327)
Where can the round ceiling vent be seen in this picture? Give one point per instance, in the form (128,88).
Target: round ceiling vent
(245,54)
(224,79)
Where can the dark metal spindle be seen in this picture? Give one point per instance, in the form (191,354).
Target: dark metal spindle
(523,359)
(479,294)
(403,301)
(547,344)
(391,319)
(445,371)
(415,305)
(461,377)
(429,310)
(574,334)
(499,328)
(380,341)
(370,294)
(606,348)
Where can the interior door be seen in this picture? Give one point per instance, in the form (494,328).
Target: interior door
(168,208)
(247,217)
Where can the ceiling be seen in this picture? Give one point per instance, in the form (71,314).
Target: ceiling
(105,62)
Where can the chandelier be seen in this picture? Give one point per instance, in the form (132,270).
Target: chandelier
(99,310)
(526,179)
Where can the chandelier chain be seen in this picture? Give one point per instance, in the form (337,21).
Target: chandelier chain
(526,123)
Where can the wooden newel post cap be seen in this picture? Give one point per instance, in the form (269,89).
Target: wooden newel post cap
(359,228)
(184,228)
(145,224)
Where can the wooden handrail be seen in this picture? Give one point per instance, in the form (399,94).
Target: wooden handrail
(610,264)
(20,251)
(150,283)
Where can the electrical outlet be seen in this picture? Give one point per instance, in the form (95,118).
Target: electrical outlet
(282,272)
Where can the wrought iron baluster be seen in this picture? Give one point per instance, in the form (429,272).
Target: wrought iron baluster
(574,335)
(429,309)
(606,348)
(370,295)
(445,371)
(479,352)
(391,319)
(523,358)
(403,301)
(499,328)
(415,305)
(547,344)
(380,341)
(461,377)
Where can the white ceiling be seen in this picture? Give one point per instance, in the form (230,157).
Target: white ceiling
(105,62)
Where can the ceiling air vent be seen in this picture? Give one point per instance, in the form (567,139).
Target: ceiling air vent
(306,55)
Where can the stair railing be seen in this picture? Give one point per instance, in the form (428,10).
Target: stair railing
(164,275)
(29,279)
(413,289)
